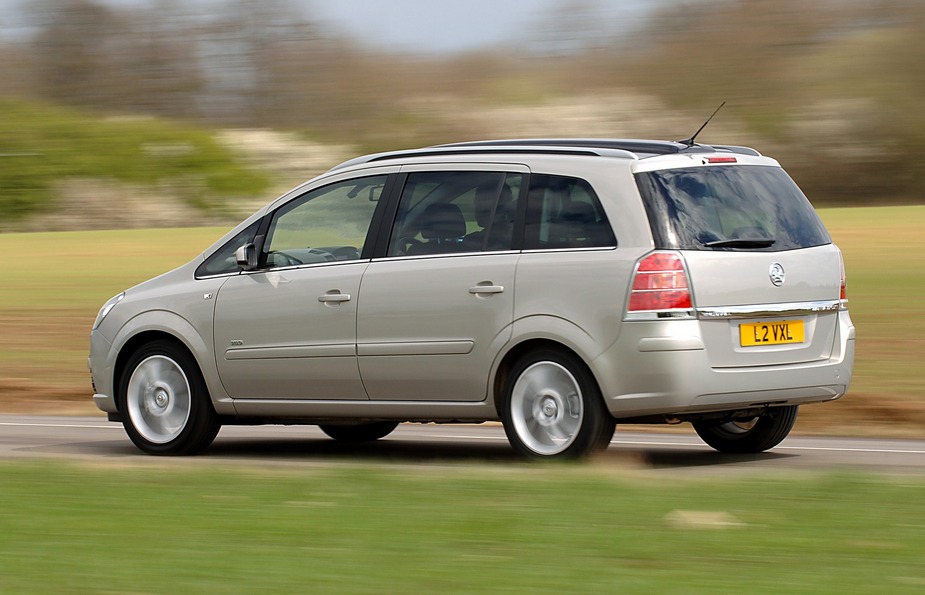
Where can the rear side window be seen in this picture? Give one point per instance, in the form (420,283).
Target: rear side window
(564,212)
(448,212)
(729,207)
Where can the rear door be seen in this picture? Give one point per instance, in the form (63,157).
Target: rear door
(438,307)
(765,277)
(767,308)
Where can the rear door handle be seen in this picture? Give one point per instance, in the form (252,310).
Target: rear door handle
(478,289)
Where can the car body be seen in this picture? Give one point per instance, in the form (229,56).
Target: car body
(557,285)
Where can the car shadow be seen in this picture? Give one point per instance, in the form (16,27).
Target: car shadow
(389,449)
(676,458)
(422,451)
(399,449)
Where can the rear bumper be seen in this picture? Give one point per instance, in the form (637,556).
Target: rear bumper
(663,369)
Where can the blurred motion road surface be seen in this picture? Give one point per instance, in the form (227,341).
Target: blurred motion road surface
(92,438)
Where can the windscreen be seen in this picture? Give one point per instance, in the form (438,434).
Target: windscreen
(729,207)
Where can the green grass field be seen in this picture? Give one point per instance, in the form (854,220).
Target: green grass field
(181,527)
(43,144)
(54,283)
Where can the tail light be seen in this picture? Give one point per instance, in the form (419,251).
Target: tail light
(843,291)
(660,287)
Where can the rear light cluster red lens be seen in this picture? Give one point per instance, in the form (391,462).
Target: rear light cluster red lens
(843,292)
(660,284)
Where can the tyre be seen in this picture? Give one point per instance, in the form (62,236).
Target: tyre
(165,406)
(552,408)
(748,436)
(359,432)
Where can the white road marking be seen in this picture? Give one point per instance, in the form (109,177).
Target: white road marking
(781,447)
(30,425)
(871,450)
(114,426)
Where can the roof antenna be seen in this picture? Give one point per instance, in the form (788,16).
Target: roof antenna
(690,141)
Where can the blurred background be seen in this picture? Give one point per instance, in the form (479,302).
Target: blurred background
(176,118)
(209,108)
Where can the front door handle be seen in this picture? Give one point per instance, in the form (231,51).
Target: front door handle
(479,289)
(334,298)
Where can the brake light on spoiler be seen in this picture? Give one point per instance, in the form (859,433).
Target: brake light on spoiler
(708,160)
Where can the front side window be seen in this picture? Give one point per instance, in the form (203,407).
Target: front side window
(564,212)
(327,224)
(455,211)
(750,207)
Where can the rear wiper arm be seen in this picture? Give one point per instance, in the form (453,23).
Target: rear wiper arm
(741,243)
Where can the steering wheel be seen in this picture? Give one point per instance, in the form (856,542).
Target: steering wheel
(346,253)
(281,259)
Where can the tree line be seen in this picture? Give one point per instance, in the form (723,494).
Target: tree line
(833,87)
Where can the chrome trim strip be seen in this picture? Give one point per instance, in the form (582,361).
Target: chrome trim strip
(769,310)
(576,249)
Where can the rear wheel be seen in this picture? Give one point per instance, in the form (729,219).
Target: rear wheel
(164,402)
(552,408)
(359,432)
(748,436)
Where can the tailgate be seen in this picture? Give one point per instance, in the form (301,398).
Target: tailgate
(766,308)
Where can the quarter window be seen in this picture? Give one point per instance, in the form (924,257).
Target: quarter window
(325,225)
(564,212)
(223,261)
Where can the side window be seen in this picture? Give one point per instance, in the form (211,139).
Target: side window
(455,211)
(222,261)
(564,212)
(325,225)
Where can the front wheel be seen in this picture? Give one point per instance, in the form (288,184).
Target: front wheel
(366,432)
(552,408)
(748,436)
(164,401)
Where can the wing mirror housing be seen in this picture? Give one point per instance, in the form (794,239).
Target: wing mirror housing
(246,256)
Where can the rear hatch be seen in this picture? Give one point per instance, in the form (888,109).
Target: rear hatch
(764,276)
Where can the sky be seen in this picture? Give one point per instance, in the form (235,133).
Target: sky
(428,26)
(443,26)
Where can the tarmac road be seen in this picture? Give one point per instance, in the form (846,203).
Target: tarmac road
(95,439)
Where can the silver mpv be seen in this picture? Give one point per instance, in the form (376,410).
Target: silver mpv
(559,286)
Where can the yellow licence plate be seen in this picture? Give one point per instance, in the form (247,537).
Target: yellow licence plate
(778,332)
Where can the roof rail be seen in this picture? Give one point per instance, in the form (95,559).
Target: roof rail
(625,148)
(650,147)
(481,150)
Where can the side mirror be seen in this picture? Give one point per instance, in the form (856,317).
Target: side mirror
(246,256)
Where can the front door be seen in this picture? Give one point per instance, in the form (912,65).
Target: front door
(288,330)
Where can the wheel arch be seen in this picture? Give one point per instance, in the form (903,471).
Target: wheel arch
(163,325)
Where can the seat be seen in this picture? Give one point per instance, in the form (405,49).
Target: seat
(501,226)
(443,228)
(572,228)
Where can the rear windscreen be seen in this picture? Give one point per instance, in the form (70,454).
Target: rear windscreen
(730,207)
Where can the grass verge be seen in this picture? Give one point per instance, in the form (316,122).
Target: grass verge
(478,528)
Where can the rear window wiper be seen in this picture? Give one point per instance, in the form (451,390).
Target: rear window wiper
(741,243)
